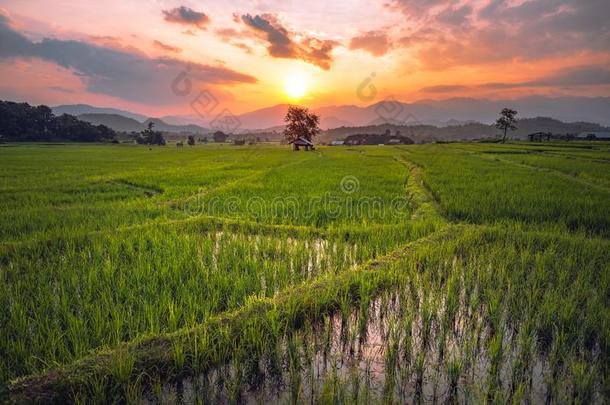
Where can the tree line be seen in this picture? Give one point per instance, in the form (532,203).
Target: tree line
(21,122)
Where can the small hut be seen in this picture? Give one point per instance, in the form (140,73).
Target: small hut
(539,136)
(300,141)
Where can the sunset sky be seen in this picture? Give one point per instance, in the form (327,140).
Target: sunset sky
(253,54)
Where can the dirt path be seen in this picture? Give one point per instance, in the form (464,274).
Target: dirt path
(427,205)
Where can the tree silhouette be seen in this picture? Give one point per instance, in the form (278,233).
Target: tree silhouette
(23,122)
(152,137)
(300,123)
(506,121)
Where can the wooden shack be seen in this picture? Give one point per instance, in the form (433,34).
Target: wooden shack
(302,142)
(539,136)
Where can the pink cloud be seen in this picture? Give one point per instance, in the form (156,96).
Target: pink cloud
(443,35)
(377,43)
(165,47)
(186,16)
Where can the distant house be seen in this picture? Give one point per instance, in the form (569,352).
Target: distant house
(219,136)
(549,136)
(301,142)
(539,136)
(594,136)
(337,143)
(376,139)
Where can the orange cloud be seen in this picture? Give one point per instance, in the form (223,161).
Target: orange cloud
(282,43)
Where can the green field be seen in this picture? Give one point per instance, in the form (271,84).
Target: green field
(464,272)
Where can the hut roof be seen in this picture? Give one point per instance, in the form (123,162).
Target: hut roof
(301,141)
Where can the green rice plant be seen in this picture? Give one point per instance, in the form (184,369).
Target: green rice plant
(391,364)
(420,361)
(454,366)
(122,366)
(178,355)
(331,391)
(427,318)
(355,385)
(133,392)
(583,382)
(495,351)
(294,369)
(475,189)
(523,363)
(107,274)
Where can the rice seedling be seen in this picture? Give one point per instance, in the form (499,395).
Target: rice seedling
(481,288)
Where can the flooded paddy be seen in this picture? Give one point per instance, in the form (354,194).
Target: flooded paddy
(411,344)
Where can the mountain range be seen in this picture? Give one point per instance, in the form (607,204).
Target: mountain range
(126,124)
(440,113)
(458,111)
(126,121)
(468,131)
(79,109)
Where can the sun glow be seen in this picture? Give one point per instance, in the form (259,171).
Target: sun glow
(295,86)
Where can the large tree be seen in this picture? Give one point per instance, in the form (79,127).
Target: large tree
(507,121)
(300,123)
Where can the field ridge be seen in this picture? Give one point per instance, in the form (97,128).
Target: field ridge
(153,354)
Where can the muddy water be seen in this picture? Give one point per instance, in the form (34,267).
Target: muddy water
(405,347)
(305,258)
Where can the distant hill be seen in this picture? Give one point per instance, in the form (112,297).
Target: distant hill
(114,121)
(432,133)
(264,118)
(469,131)
(441,113)
(418,133)
(332,122)
(273,117)
(454,112)
(121,120)
(161,125)
(80,109)
(463,118)
(545,124)
(125,124)
(184,119)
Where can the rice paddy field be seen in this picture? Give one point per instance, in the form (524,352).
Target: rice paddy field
(453,273)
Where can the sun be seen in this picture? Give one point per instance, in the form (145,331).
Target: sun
(295,86)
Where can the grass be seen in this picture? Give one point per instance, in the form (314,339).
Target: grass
(473,188)
(126,271)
